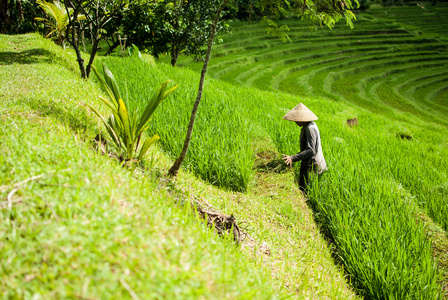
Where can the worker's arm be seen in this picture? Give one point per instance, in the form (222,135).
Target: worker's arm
(310,142)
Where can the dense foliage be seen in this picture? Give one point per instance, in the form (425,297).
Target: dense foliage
(17,16)
(170,26)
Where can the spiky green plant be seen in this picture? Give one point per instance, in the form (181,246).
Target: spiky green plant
(124,125)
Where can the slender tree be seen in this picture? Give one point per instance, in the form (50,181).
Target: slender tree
(323,12)
(176,166)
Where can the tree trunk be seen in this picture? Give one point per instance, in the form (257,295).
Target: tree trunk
(79,58)
(250,12)
(174,54)
(92,55)
(113,47)
(176,166)
(83,39)
(73,41)
(4,16)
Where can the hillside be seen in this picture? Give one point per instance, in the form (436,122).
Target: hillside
(391,77)
(74,224)
(375,226)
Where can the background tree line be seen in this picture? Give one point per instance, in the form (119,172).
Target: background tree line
(171,26)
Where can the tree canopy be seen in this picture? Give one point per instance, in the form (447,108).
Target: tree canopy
(173,26)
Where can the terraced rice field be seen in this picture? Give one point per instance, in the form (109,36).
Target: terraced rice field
(391,73)
(395,60)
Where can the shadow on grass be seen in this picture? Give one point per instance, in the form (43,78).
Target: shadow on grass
(31,56)
(77,118)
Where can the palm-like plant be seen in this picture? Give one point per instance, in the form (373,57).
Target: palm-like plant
(59,19)
(124,126)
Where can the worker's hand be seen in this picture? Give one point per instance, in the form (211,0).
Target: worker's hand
(287,159)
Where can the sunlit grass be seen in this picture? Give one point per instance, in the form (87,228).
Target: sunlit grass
(366,203)
(370,165)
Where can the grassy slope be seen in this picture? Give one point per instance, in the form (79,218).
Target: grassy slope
(86,228)
(349,152)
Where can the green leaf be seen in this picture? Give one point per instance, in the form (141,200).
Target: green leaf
(109,129)
(113,134)
(149,141)
(114,131)
(166,94)
(124,117)
(111,82)
(106,87)
(155,100)
(108,103)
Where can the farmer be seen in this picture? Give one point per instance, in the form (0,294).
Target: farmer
(310,149)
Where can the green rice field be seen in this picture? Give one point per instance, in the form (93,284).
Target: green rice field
(388,74)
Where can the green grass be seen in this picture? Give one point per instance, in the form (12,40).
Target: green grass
(384,170)
(383,197)
(248,56)
(371,168)
(87,228)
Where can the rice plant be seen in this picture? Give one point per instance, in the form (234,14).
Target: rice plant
(220,150)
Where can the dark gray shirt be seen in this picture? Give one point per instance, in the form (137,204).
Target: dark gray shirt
(310,149)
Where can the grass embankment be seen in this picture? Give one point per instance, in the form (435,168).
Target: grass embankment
(76,225)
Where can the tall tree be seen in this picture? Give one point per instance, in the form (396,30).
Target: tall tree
(176,166)
(323,12)
(97,14)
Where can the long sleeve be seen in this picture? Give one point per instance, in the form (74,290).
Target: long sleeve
(308,143)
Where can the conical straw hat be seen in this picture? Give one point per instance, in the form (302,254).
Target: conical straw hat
(300,113)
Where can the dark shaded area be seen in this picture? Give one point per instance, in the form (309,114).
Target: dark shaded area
(268,161)
(404,136)
(76,118)
(31,56)
(18,16)
(352,122)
